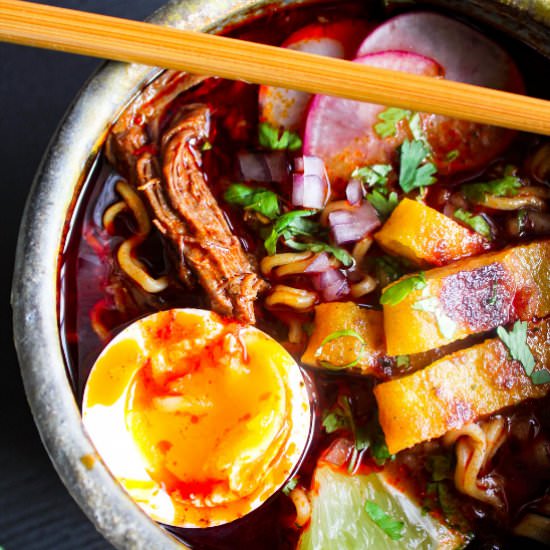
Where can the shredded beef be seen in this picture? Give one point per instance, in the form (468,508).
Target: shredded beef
(165,165)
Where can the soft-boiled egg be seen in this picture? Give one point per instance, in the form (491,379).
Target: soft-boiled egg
(199,418)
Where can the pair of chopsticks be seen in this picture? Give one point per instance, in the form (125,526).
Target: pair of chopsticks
(118,39)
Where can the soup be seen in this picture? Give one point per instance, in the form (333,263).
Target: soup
(400,257)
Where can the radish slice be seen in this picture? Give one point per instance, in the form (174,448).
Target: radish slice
(287,108)
(464,53)
(341,131)
(466,56)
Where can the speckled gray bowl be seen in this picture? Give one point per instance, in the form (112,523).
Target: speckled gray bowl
(34,293)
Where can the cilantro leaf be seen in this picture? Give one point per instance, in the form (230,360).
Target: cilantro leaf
(340,254)
(413,174)
(477,223)
(382,204)
(376,174)
(341,417)
(415,125)
(258,199)
(335,420)
(289,225)
(541,376)
(271,138)
(377,442)
(290,486)
(508,186)
(392,527)
(400,290)
(389,118)
(516,342)
(388,269)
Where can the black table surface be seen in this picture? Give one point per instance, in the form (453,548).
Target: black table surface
(36,87)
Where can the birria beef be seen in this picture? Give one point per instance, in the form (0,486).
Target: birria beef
(164,163)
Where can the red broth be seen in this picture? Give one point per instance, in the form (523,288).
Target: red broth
(97,300)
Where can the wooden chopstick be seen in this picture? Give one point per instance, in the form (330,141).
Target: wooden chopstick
(33,24)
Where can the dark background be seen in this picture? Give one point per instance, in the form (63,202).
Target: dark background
(36,87)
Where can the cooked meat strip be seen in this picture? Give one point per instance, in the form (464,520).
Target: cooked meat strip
(167,169)
(138,127)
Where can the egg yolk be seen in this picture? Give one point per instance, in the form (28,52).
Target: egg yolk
(213,412)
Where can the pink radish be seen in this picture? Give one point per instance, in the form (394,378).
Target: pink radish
(466,56)
(341,131)
(287,108)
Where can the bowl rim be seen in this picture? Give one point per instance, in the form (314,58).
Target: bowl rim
(42,232)
(34,296)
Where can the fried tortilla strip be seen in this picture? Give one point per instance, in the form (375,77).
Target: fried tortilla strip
(334,318)
(470,296)
(426,237)
(459,389)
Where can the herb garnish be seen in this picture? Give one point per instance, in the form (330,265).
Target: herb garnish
(413,174)
(388,269)
(334,336)
(340,254)
(392,527)
(508,186)
(477,223)
(374,175)
(368,436)
(271,138)
(383,204)
(289,225)
(541,376)
(290,486)
(258,199)
(389,118)
(400,290)
(516,342)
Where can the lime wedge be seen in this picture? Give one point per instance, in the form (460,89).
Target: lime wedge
(339,520)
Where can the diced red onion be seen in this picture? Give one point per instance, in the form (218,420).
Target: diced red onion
(319,264)
(312,188)
(353,224)
(354,191)
(332,285)
(278,165)
(264,167)
(308,191)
